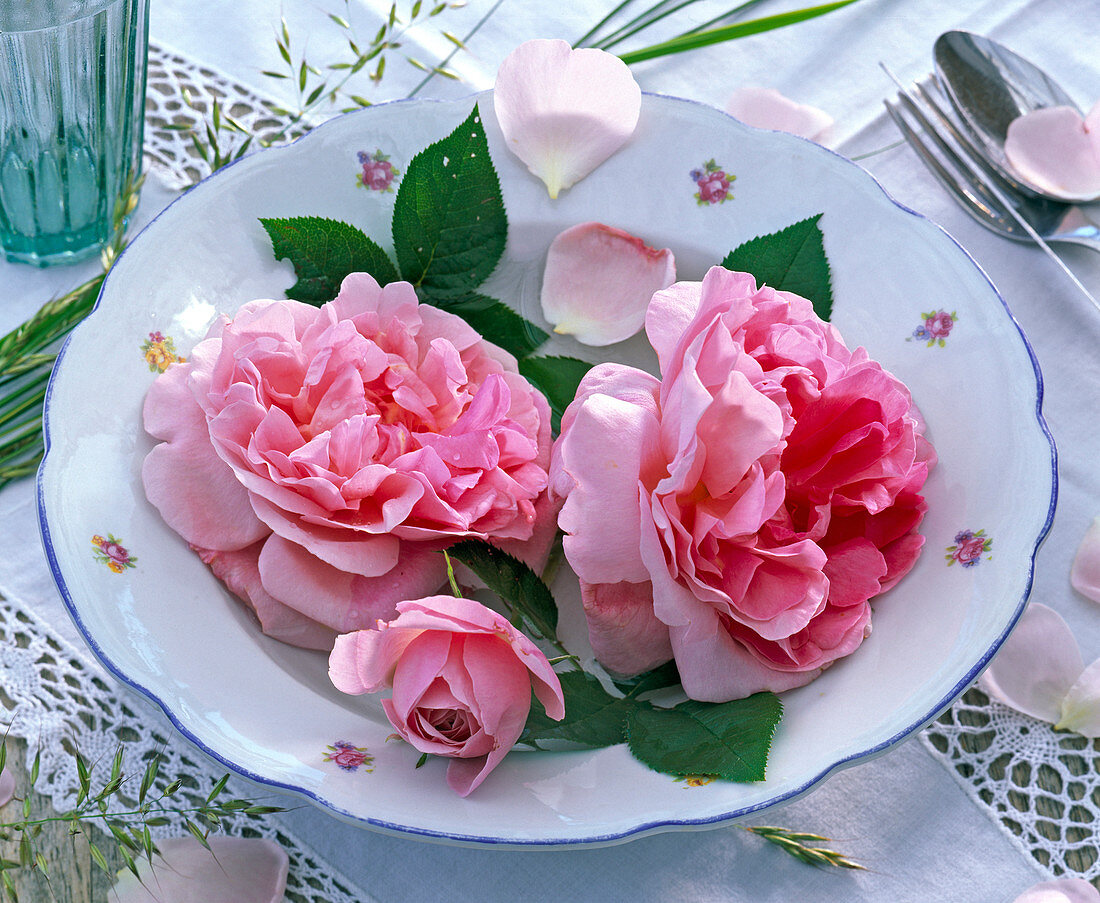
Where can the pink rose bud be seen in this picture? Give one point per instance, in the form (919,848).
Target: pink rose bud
(462,678)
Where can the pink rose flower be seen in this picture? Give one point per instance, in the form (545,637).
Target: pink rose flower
(939,325)
(462,678)
(317,458)
(713,187)
(738,513)
(377,174)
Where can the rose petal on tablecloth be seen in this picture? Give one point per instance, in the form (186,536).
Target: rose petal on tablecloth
(233,870)
(766,108)
(1064,890)
(1085,573)
(1037,665)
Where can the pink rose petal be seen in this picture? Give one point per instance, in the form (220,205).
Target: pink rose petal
(1058,151)
(625,633)
(7,787)
(1081,706)
(564,111)
(766,108)
(196,493)
(1037,665)
(1085,573)
(341,600)
(598,465)
(239,570)
(599,280)
(233,870)
(1064,890)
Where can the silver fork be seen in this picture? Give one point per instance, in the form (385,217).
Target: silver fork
(976,186)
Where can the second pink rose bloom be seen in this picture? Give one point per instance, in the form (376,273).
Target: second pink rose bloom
(738,513)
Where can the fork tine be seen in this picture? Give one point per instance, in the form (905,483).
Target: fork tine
(973,152)
(964,163)
(964,193)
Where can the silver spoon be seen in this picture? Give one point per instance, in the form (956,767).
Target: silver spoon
(989,86)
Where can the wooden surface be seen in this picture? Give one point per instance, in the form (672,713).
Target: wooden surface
(74,877)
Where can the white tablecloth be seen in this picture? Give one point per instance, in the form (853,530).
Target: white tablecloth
(905,816)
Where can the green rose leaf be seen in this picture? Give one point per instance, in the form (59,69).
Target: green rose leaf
(323,251)
(497,322)
(557,378)
(519,586)
(593,717)
(792,260)
(665,675)
(449,225)
(729,740)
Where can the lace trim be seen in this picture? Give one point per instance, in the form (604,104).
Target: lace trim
(170,120)
(1041,786)
(57,699)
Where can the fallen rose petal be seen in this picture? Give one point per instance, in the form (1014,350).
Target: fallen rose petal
(1037,665)
(1085,573)
(599,280)
(1081,705)
(7,787)
(1057,150)
(564,111)
(233,870)
(766,108)
(1064,890)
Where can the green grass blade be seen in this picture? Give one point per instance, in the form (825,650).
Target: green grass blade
(730,32)
(580,42)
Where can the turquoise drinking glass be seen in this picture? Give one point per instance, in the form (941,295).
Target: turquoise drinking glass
(72,103)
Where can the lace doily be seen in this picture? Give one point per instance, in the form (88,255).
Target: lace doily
(170,120)
(59,701)
(1042,786)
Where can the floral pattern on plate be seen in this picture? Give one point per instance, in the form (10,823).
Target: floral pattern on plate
(968,548)
(936,327)
(378,172)
(713,183)
(112,553)
(349,757)
(160,351)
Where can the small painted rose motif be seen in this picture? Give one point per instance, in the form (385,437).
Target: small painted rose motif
(111,552)
(160,351)
(968,548)
(378,172)
(713,183)
(936,327)
(349,757)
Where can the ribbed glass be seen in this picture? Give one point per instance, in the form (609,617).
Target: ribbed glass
(72,100)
